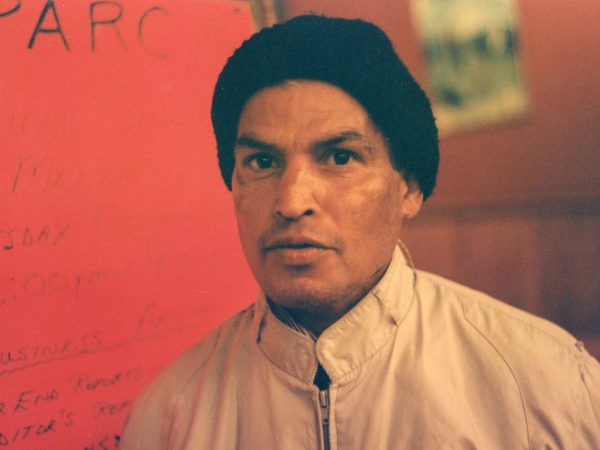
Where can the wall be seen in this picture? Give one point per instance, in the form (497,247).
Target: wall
(117,235)
(517,207)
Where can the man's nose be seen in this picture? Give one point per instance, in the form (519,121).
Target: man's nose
(296,194)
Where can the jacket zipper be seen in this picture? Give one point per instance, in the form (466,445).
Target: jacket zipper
(324,403)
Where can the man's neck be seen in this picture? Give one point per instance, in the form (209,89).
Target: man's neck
(309,322)
(313,321)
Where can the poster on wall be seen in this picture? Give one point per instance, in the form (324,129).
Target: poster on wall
(473,66)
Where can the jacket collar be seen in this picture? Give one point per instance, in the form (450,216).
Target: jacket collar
(342,348)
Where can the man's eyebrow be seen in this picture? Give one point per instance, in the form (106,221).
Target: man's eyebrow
(253,143)
(337,139)
(346,136)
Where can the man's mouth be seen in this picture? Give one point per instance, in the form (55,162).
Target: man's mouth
(294,243)
(295,246)
(296,251)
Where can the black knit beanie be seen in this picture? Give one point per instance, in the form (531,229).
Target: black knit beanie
(353,55)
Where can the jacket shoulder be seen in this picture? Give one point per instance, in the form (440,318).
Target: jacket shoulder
(558,382)
(148,425)
(496,320)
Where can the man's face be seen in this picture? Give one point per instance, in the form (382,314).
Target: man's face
(318,202)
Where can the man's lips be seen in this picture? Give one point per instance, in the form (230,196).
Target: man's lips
(294,243)
(296,251)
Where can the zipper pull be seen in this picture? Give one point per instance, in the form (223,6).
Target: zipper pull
(324,399)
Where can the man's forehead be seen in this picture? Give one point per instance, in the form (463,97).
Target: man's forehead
(320,108)
(319,94)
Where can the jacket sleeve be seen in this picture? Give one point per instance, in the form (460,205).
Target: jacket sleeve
(149,424)
(588,433)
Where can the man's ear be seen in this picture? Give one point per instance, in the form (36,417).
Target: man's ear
(413,199)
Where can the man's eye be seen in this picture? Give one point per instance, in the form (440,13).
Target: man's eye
(341,157)
(260,162)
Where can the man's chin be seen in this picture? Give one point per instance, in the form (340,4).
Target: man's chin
(302,298)
(311,297)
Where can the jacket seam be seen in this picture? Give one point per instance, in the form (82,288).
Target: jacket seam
(577,420)
(175,403)
(359,367)
(568,346)
(510,369)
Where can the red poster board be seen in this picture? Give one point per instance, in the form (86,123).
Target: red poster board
(118,246)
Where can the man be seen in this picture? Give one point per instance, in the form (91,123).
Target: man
(327,144)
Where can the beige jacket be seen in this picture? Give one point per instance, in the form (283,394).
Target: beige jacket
(419,363)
